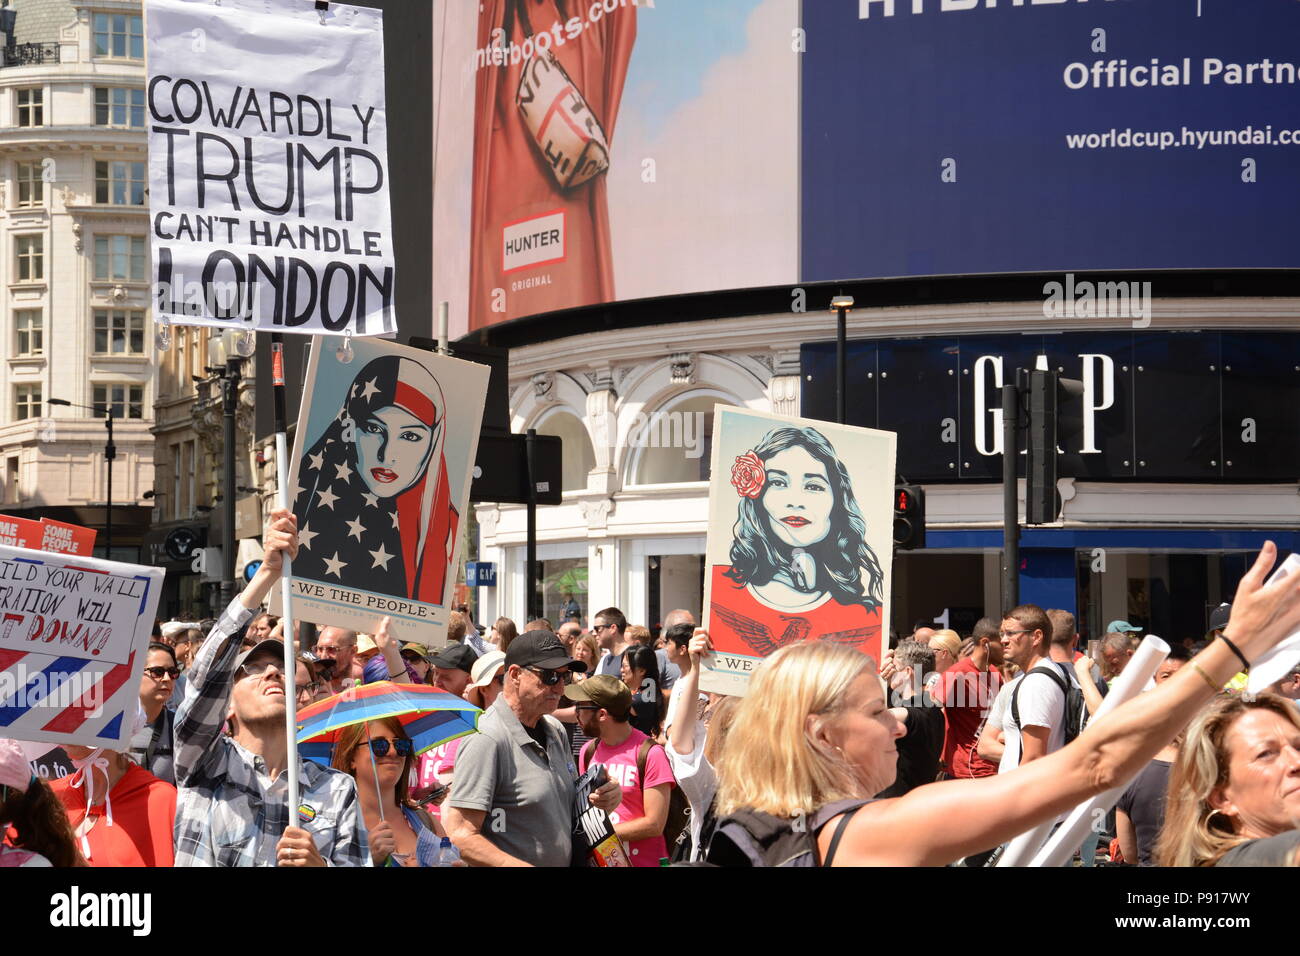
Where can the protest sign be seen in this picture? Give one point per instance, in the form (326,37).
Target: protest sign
(379,480)
(800,539)
(20,532)
(268,178)
(46,535)
(73,637)
(66,538)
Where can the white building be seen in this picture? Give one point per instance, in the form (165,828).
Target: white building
(634,408)
(75,262)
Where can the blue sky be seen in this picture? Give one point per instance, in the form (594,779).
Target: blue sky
(676,43)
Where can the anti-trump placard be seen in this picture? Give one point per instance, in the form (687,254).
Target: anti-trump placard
(74,632)
(268,171)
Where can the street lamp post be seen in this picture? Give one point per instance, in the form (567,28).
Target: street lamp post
(227,354)
(110,453)
(841,304)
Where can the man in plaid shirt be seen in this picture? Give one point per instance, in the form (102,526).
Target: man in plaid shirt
(231,808)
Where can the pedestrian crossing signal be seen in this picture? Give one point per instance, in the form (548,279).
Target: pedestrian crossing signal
(909,517)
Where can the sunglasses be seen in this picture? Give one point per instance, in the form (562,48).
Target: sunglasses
(381,745)
(157,673)
(550,678)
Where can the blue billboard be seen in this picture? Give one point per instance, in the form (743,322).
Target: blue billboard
(945,137)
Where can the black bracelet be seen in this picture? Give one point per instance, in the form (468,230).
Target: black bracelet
(1245,664)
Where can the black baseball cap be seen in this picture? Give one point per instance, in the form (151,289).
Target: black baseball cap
(1219,617)
(541,648)
(455,657)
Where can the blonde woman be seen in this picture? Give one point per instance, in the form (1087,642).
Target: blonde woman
(814,739)
(1234,791)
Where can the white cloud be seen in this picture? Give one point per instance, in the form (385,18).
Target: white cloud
(723,211)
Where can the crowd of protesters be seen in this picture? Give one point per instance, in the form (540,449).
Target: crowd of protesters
(942,752)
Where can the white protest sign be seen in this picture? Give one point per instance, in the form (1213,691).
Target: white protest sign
(268,172)
(74,632)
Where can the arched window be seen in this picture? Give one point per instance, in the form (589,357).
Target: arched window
(674,444)
(578,456)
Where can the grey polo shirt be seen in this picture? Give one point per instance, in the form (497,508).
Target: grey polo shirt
(526,792)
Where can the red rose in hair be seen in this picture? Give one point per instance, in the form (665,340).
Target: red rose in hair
(748,475)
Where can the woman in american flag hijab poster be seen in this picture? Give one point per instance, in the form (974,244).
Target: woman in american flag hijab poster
(382,485)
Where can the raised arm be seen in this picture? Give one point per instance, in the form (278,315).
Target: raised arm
(202,713)
(979,814)
(682,705)
(392,652)
(1091,695)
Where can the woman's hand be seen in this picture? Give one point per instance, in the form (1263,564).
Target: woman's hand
(383,639)
(1083,666)
(1264,615)
(382,842)
(699,646)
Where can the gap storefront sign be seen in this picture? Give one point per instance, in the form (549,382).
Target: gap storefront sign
(1161,406)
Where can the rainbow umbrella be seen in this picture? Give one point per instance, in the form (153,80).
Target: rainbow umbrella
(429,716)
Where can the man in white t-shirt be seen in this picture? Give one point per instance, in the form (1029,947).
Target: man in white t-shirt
(1037,697)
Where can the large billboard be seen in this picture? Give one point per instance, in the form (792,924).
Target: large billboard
(593,151)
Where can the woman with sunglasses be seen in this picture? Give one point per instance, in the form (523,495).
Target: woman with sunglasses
(379,756)
(151,748)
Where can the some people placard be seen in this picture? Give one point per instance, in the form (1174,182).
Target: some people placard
(800,539)
(379,481)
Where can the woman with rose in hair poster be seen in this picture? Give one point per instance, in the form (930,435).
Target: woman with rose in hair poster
(794,554)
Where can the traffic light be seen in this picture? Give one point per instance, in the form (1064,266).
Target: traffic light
(1055,426)
(909,517)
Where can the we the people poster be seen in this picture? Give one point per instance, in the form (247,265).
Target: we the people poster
(800,539)
(379,480)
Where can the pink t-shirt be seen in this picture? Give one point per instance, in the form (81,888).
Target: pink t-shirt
(621,763)
(441,759)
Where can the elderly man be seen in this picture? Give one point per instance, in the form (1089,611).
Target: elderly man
(336,646)
(512,799)
(232,808)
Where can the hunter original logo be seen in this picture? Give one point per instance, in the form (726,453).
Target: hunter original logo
(532,242)
(76,909)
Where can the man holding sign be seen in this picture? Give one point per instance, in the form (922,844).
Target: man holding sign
(232,808)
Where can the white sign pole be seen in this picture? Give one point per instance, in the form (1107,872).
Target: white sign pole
(1149,655)
(286,582)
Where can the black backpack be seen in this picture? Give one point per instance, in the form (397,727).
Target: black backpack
(1076,709)
(750,838)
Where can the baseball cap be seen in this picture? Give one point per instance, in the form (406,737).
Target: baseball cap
(603,690)
(419,650)
(541,648)
(483,673)
(261,647)
(1122,627)
(459,657)
(1219,617)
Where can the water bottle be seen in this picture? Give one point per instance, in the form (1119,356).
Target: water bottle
(448,855)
